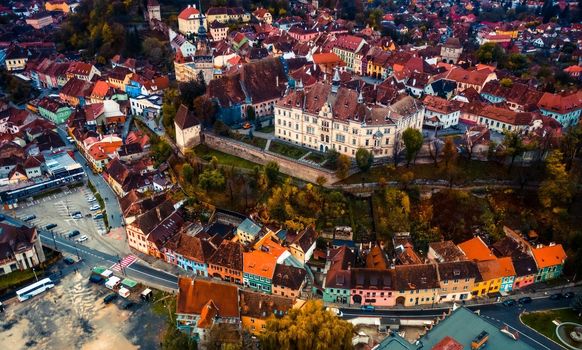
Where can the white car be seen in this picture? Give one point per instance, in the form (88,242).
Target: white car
(91,199)
(83,238)
(335,311)
(95,207)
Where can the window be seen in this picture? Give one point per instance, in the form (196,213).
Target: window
(369,132)
(340,138)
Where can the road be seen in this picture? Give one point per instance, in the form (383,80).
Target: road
(92,257)
(495,313)
(111,205)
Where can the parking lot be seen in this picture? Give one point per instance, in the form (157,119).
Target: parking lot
(73,315)
(60,209)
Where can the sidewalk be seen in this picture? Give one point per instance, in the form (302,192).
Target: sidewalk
(534,294)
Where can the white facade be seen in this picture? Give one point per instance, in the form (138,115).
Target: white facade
(147,106)
(188,137)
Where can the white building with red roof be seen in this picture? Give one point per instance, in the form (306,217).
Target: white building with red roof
(189,20)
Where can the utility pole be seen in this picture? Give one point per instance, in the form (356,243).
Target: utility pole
(34,272)
(54,241)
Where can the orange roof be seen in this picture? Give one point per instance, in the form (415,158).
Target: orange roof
(271,247)
(195,295)
(100,89)
(573,69)
(549,256)
(326,58)
(189,13)
(259,263)
(207,315)
(498,268)
(476,249)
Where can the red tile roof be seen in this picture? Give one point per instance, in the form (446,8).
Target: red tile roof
(561,104)
(476,249)
(189,13)
(194,296)
(549,256)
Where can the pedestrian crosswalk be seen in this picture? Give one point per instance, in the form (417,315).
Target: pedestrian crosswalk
(125,262)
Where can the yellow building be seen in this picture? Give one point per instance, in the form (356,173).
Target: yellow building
(16,58)
(513,33)
(416,284)
(495,274)
(257,308)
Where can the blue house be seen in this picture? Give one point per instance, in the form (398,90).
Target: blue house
(190,253)
(133,89)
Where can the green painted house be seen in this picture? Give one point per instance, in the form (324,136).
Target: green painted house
(549,260)
(54,111)
(258,269)
(338,279)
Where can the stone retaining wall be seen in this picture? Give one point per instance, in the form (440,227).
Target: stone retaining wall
(287,166)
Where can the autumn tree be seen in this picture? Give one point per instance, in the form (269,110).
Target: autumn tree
(343,166)
(187,173)
(557,190)
(306,328)
(412,139)
(364,159)
(394,210)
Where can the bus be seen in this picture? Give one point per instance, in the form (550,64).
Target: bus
(34,289)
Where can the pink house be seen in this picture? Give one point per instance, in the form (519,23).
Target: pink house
(525,271)
(303,34)
(372,287)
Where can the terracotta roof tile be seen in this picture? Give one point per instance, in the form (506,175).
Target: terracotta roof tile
(549,256)
(194,295)
(476,249)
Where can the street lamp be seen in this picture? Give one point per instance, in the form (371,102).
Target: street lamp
(54,241)
(34,272)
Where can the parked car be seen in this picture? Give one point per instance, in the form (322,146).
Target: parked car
(29,217)
(50,226)
(74,233)
(96,279)
(509,302)
(335,311)
(109,298)
(524,300)
(69,261)
(367,308)
(556,296)
(569,295)
(91,199)
(128,305)
(98,216)
(83,238)
(95,207)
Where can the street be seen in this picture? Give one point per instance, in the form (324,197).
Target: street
(92,257)
(497,314)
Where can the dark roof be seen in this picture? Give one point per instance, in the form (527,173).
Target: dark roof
(448,251)
(194,248)
(229,255)
(288,276)
(15,239)
(409,277)
(339,273)
(457,270)
(185,118)
(305,238)
(524,265)
(150,219)
(258,305)
(372,279)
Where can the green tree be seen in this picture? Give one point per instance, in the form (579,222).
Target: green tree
(557,190)
(170,107)
(176,340)
(153,49)
(514,146)
(310,327)
(491,52)
(570,144)
(211,180)
(332,157)
(412,139)
(364,159)
(188,173)
(272,173)
(343,166)
(251,115)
